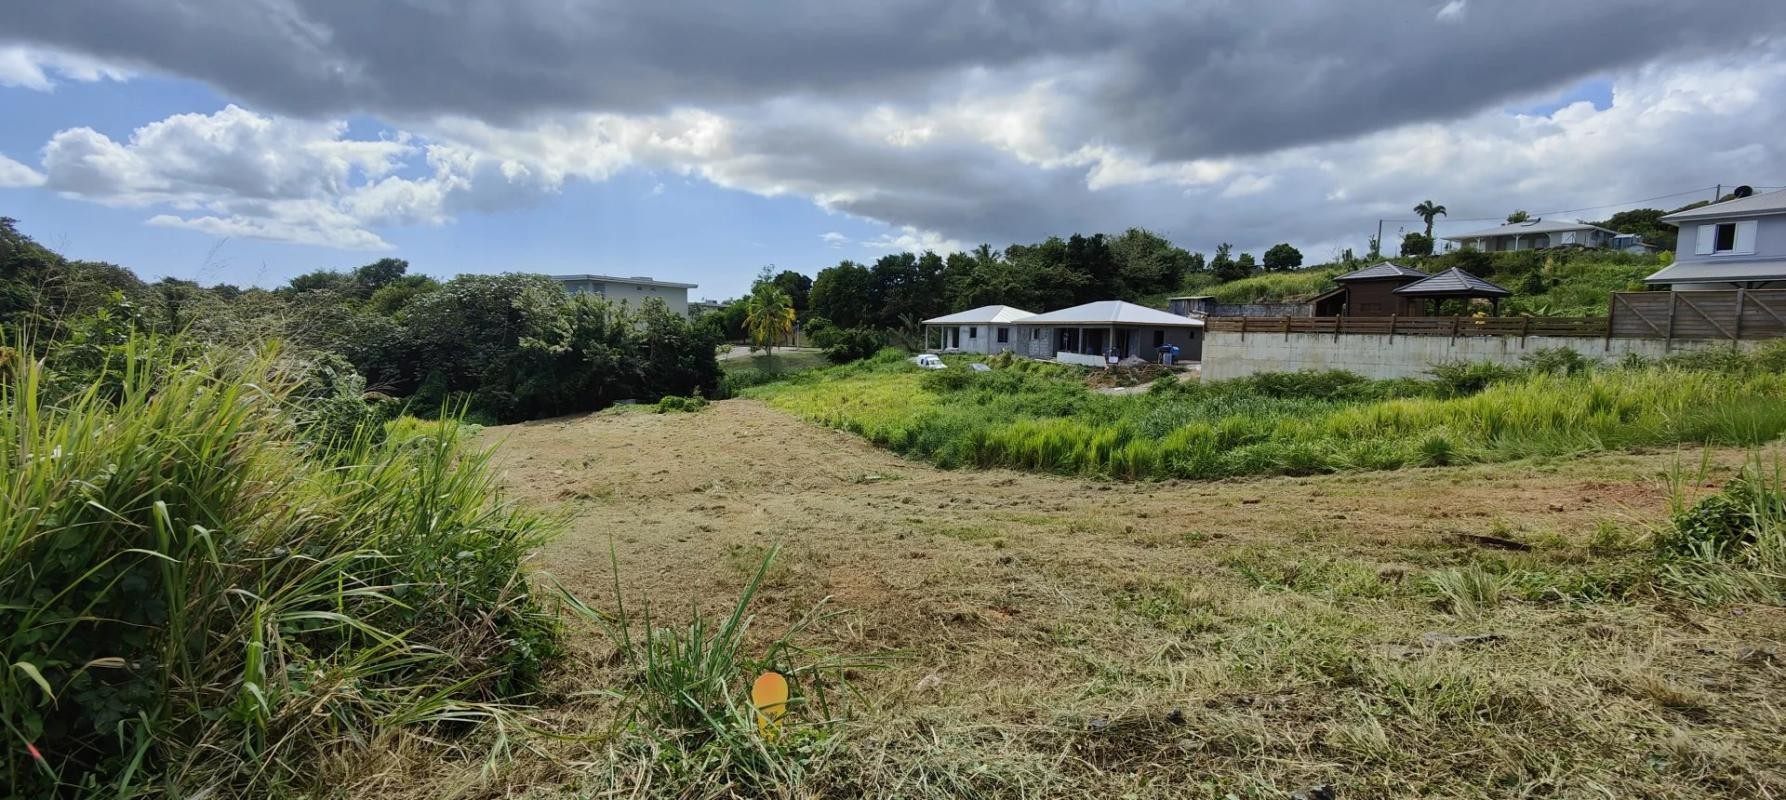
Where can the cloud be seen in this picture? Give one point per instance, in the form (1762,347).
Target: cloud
(1162,81)
(948,123)
(38,69)
(834,239)
(238,173)
(13,174)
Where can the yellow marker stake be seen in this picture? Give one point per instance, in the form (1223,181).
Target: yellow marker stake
(770,696)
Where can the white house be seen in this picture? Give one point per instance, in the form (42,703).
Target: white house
(632,291)
(1088,334)
(986,330)
(1738,243)
(1537,234)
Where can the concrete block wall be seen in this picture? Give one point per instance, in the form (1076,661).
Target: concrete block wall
(1234,355)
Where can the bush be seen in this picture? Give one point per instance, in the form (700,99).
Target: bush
(1556,361)
(853,344)
(198,603)
(1459,378)
(951,379)
(674,404)
(1726,525)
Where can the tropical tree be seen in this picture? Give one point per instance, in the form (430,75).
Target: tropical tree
(1282,257)
(1518,216)
(769,316)
(1427,210)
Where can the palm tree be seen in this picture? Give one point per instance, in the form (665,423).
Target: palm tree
(1427,210)
(768,316)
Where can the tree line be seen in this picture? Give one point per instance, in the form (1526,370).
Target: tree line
(501,347)
(896,292)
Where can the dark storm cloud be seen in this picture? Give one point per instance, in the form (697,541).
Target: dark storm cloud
(1167,80)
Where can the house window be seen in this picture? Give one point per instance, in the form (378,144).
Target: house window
(973,332)
(1035,334)
(1726,238)
(1159,339)
(1004,335)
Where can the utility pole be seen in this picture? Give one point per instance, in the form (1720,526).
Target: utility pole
(1718,192)
(1379,247)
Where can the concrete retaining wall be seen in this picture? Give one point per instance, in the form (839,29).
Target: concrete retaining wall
(1228,354)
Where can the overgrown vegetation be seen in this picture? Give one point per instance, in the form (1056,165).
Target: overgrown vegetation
(200,599)
(507,347)
(1732,544)
(1029,415)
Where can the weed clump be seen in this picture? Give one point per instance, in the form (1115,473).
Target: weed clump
(673,404)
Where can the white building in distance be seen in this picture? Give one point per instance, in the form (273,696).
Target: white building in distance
(632,291)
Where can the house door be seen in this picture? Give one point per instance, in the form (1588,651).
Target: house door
(955,338)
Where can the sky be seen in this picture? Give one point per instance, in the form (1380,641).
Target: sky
(247,141)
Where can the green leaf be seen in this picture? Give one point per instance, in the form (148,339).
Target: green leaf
(31,672)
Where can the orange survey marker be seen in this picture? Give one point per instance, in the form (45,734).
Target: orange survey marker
(770,696)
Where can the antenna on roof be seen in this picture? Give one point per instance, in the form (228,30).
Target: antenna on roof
(1741,192)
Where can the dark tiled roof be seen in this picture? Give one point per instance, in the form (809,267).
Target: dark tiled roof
(1386,269)
(1454,281)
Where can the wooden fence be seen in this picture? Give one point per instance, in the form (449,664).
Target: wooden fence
(1414,326)
(1727,315)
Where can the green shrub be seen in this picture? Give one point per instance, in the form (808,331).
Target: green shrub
(1556,361)
(197,603)
(954,378)
(674,404)
(854,344)
(1729,524)
(1459,378)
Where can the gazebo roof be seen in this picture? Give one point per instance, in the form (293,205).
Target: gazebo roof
(1453,282)
(1386,269)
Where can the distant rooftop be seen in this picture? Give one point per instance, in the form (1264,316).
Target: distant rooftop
(1112,312)
(1528,228)
(1386,269)
(1770,203)
(636,281)
(981,315)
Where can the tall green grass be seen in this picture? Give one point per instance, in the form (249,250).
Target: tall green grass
(194,601)
(1298,423)
(686,717)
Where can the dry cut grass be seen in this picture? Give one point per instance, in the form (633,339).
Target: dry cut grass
(1041,636)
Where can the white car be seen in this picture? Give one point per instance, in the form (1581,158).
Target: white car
(929,361)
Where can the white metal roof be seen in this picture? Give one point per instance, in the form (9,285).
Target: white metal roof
(1527,228)
(634,281)
(981,315)
(1720,272)
(1770,203)
(1113,312)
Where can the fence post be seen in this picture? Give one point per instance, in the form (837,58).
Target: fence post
(1392,327)
(1674,301)
(1737,330)
(1612,313)
(1286,327)
(1339,327)
(1456,324)
(1243,328)
(1525,330)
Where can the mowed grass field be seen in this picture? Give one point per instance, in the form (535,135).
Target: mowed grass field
(1475,631)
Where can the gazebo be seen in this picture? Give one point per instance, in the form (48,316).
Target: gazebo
(1452,284)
